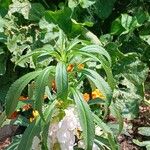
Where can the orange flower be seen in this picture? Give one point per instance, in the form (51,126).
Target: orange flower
(23,98)
(14,115)
(53,85)
(81,66)
(86,97)
(97,94)
(70,67)
(26,107)
(35,114)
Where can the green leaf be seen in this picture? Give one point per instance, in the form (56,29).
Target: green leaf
(16,89)
(86,119)
(100,51)
(97,53)
(35,128)
(2,118)
(72,3)
(62,18)
(36,12)
(5,3)
(20,7)
(103,8)
(3,37)
(86,3)
(2,24)
(107,130)
(116,27)
(118,115)
(33,53)
(128,22)
(95,49)
(61,79)
(112,142)
(142,144)
(141,16)
(101,124)
(3,60)
(41,82)
(102,142)
(14,143)
(144,131)
(130,74)
(100,83)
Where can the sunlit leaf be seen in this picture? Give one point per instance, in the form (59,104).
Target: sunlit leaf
(16,89)
(86,119)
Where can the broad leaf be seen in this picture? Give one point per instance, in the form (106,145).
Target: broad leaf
(5,3)
(130,74)
(62,18)
(86,119)
(103,8)
(117,113)
(16,89)
(36,12)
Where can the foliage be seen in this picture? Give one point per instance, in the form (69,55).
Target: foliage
(63,49)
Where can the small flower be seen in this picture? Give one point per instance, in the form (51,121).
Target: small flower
(35,114)
(31,119)
(23,98)
(14,115)
(70,67)
(97,94)
(86,97)
(26,107)
(81,66)
(53,85)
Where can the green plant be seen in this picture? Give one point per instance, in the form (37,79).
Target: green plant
(68,84)
(91,55)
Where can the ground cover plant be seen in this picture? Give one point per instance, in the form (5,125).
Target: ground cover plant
(74,74)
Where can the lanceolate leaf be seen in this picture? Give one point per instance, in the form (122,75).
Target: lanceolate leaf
(107,130)
(35,128)
(16,89)
(101,124)
(99,54)
(86,119)
(33,53)
(100,83)
(61,81)
(41,82)
(97,50)
(2,118)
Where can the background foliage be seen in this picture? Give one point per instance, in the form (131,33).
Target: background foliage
(34,33)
